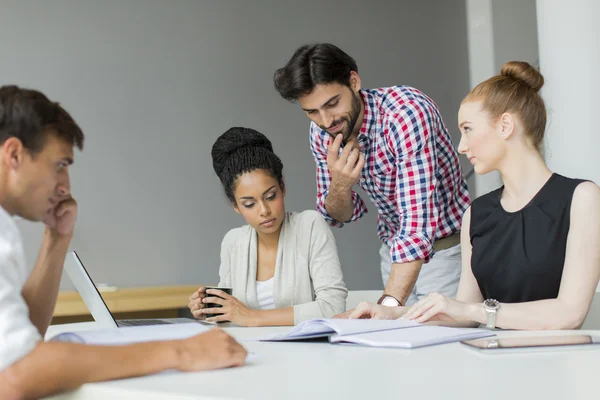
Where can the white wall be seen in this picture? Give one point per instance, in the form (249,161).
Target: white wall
(570,60)
(153,83)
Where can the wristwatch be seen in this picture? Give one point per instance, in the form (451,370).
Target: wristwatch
(389,301)
(491,307)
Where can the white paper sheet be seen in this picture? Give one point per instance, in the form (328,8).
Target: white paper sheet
(325,327)
(413,337)
(133,334)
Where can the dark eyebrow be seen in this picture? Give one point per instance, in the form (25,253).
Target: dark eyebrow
(337,96)
(265,192)
(252,198)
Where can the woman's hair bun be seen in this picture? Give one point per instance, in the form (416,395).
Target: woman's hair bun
(523,72)
(232,141)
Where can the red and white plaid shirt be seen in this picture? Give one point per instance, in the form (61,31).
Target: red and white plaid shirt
(411,172)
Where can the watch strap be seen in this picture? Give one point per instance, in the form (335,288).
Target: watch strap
(388,296)
(491,319)
(491,307)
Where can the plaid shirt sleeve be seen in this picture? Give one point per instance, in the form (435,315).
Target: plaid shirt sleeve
(411,131)
(318,145)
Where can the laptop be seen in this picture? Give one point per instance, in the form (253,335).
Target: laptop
(95,303)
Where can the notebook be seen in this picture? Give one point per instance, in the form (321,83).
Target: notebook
(132,334)
(322,328)
(412,338)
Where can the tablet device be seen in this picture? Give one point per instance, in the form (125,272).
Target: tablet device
(513,344)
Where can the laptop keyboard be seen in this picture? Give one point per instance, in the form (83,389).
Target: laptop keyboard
(140,322)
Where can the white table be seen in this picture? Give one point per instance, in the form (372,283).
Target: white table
(323,371)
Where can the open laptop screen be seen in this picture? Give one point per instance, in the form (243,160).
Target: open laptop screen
(88,291)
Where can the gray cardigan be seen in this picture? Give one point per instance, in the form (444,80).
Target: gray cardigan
(308,275)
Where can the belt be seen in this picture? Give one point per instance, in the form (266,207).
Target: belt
(447,242)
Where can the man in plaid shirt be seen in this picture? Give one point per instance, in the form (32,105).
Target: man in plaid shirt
(393,143)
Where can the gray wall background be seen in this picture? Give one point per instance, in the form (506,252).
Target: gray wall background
(498,31)
(153,83)
(515,32)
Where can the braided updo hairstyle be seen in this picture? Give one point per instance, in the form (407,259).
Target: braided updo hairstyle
(240,150)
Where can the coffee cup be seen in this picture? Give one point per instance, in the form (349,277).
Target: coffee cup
(215,305)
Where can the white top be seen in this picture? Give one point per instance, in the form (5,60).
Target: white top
(264,294)
(18,336)
(308,275)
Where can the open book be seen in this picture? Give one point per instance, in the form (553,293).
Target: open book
(318,328)
(379,333)
(133,334)
(412,338)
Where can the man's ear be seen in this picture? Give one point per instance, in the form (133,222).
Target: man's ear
(355,84)
(507,125)
(13,152)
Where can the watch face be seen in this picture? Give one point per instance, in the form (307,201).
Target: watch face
(492,304)
(390,302)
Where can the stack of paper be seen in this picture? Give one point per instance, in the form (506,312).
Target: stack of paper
(412,338)
(133,334)
(379,333)
(316,328)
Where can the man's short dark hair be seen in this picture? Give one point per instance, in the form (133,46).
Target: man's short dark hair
(312,65)
(30,116)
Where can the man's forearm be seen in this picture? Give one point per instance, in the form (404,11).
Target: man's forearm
(55,367)
(41,289)
(402,279)
(338,203)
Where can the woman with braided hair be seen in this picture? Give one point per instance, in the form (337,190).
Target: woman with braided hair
(283,267)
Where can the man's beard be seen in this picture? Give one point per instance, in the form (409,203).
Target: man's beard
(351,118)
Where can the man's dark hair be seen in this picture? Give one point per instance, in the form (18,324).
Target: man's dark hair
(241,150)
(311,65)
(30,116)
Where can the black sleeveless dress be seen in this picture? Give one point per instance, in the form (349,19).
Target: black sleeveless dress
(519,256)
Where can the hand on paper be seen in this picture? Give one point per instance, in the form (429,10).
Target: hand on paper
(211,350)
(344,314)
(437,307)
(231,309)
(367,310)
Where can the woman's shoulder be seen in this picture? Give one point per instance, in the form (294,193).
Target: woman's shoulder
(488,198)
(234,235)
(308,228)
(586,196)
(561,191)
(483,205)
(306,217)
